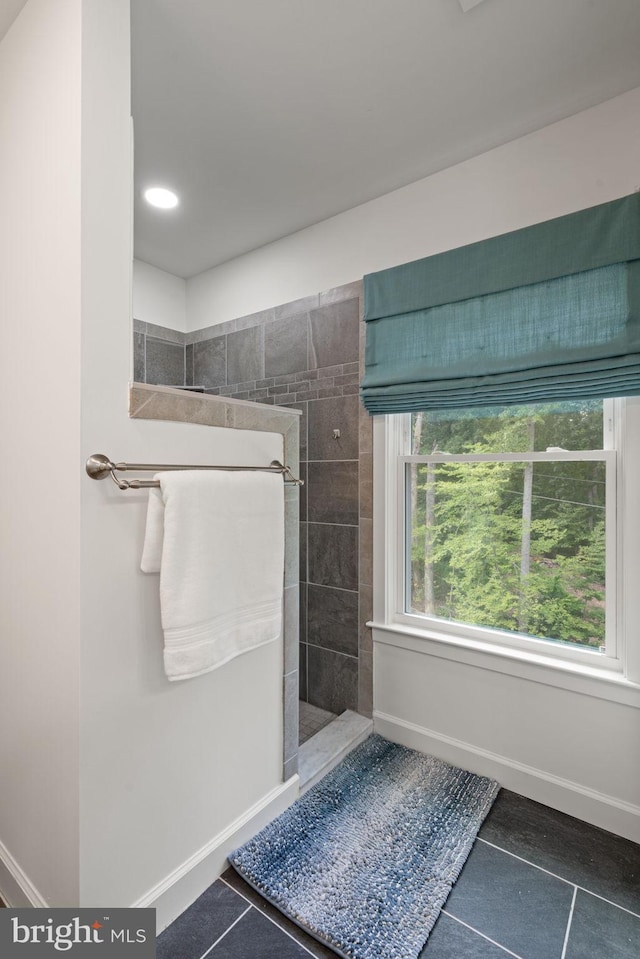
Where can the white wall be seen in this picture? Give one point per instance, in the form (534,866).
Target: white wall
(40,423)
(584,160)
(114,781)
(575,751)
(165,767)
(159,297)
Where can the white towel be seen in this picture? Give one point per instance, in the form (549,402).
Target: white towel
(217,539)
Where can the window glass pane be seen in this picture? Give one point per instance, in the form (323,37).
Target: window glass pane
(515,429)
(510,546)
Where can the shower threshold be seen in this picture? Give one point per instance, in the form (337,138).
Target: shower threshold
(330,745)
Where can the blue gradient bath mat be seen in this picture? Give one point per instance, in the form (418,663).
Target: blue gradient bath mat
(365,860)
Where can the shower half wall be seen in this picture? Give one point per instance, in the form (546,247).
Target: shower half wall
(308,355)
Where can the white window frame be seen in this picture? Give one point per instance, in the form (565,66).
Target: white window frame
(614,675)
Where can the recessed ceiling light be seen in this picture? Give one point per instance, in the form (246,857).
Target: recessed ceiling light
(469,4)
(158,196)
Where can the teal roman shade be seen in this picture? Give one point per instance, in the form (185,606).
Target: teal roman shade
(547,313)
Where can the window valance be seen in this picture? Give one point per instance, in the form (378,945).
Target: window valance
(549,312)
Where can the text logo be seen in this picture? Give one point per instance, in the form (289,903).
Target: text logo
(82,933)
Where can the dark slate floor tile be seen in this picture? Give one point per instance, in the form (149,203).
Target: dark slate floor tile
(516,905)
(600,930)
(450,940)
(193,932)
(605,864)
(316,948)
(256,937)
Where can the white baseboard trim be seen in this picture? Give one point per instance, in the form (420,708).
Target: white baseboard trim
(594,807)
(16,889)
(175,893)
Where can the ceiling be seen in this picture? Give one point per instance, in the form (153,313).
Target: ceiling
(267,116)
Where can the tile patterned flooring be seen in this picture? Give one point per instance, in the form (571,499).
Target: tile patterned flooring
(537,885)
(312,720)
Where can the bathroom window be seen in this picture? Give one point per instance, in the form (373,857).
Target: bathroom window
(508,530)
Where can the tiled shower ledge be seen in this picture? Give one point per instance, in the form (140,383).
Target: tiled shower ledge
(183,406)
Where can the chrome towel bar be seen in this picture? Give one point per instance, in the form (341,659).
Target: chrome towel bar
(100,466)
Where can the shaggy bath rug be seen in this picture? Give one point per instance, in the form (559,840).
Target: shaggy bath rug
(365,860)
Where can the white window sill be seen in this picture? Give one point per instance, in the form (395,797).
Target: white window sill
(576,677)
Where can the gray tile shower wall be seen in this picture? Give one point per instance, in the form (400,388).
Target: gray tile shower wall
(158,355)
(307,354)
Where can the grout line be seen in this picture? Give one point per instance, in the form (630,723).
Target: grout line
(589,892)
(313,522)
(324,586)
(527,861)
(286,931)
(214,944)
(566,935)
(481,934)
(328,650)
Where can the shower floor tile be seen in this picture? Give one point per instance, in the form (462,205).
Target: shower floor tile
(312,720)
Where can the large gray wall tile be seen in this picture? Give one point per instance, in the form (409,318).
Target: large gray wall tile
(165,333)
(366,485)
(366,430)
(303,613)
(333,555)
(303,672)
(291,630)
(188,366)
(303,552)
(332,680)
(291,535)
(294,307)
(333,492)
(291,715)
(139,357)
(365,683)
(327,415)
(285,346)
(333,334)
(164,362)
(337,294)
(365,615)
(210,362)
(333,619)
(245,355)
(366,551)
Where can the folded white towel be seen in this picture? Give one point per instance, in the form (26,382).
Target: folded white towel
(217,539)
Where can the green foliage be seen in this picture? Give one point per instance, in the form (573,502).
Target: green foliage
(474,569)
